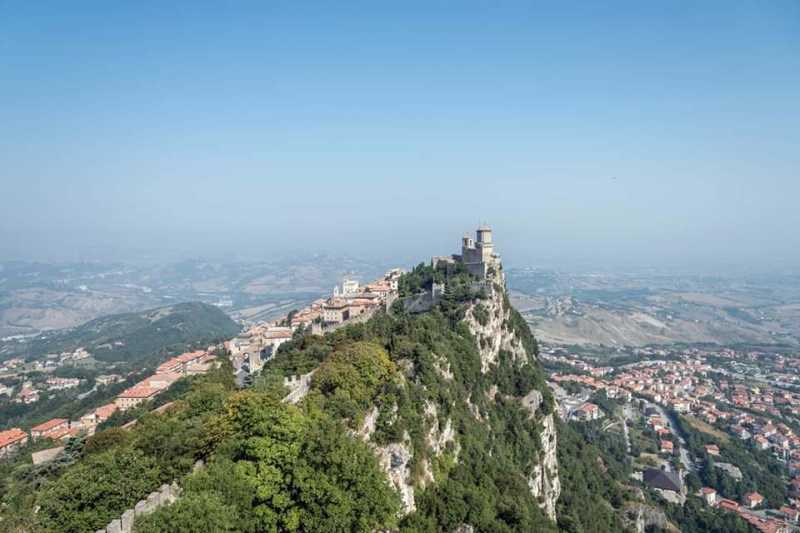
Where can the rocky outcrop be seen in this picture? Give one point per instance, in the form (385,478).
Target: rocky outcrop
(439,436)
(488,320)
(493,324)
(394,459)
(640,518)
(544,481)
(368,427)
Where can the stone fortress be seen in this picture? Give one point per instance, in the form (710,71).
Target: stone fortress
(477,255)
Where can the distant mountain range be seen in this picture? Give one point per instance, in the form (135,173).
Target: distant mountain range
(38,297)
(133,336)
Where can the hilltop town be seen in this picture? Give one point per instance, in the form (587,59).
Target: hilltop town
(352,302)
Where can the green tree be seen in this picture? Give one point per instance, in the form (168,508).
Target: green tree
(94,492)
(194,513)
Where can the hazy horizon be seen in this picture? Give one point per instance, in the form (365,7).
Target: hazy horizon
(646,136)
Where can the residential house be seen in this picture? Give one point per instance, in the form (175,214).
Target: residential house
(50,429)
(663,480)
(752,499)
(11,440)
(790,513)
(728,505)
(107,379)
(712,449)
(709,495)
(335,312)
(587,412)
(135,396)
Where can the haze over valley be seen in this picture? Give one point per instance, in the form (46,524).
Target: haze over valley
(400,267)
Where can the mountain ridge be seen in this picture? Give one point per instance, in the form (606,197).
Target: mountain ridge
(133,336)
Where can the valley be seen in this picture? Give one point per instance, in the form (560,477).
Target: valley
(640,310)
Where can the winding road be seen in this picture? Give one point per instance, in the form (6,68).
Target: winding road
(686,459)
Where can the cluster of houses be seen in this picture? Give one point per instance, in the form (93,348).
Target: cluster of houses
(551,356)
(747,410)
(58,429)
(250,350)
(350,302)
(685,387)
(188,364)
(62,383)
(27,392)
(750,502)
(612,391)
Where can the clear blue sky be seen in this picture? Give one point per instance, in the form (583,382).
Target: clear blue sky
(624,134)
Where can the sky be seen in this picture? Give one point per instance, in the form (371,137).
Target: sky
(589,135)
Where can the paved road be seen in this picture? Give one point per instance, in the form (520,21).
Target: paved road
(624,421)
(87,393)
(686,460)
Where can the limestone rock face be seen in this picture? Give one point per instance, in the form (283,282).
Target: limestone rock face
(393,459)
(640,517)
(487,321)
(544,482)
(439,436)
(488,324)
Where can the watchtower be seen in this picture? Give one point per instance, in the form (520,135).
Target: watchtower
(484,234)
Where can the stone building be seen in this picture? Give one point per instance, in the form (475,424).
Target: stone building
(335,312)
(477,255)
(134,396)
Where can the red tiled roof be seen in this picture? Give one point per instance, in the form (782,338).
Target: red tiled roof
(189,356)
(11,436)
(728,504)
(753,497)
(105,411)
(139,391)
(61,433)
(49,425)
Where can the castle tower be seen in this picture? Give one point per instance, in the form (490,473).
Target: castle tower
(484,235)
(467,242)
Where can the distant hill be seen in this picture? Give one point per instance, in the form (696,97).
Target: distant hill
(135,336)
(643,309)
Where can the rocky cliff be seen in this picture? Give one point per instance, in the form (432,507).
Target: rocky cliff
(490,322)
(482,371)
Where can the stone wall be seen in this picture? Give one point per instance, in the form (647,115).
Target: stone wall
(298,387)
(165,495)
(322,329)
